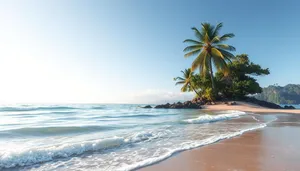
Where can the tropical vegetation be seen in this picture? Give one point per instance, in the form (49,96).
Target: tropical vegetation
(187,81)
(235,76)
(210,50)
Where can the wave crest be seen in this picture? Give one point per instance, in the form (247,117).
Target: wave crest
(58,130)
(214,118)
(38,155)
(18,109)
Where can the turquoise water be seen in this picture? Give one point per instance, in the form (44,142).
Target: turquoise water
(108,137)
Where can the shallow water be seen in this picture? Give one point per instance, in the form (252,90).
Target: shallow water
(108,137)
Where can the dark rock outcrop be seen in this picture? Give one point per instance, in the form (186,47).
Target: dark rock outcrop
(147,107)
(289,107)
(165,106)
(263,103)
(232,103)
(200,100)
(179,105)
(196,103)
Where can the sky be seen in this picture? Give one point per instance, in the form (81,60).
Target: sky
(116,51)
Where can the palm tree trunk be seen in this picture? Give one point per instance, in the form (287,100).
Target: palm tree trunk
(195,90)
(212,77)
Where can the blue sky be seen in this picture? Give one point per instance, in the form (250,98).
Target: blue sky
(119,51)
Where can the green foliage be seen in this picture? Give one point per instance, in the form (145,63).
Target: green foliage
(208,94)
(239,83)
(289,94)
(201,83)
(209,49)
(236,84)
(187,81)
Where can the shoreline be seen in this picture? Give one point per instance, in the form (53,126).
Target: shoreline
(248,107)
(274,147)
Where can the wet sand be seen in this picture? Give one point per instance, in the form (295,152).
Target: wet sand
(273,148)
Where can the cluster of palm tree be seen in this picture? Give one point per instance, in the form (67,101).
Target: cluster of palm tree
(210,50)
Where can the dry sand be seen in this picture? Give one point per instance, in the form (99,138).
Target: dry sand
(248,107)
(274,148)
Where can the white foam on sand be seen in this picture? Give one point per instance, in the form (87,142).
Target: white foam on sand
(214,118)
(188,146)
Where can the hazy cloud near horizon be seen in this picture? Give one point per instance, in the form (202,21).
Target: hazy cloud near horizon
(154,96)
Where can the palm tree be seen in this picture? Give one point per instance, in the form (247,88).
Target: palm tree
(186,80)
(209,49)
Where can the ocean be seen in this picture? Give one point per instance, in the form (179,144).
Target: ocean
(109,137)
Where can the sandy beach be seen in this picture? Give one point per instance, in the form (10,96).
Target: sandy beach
(273,148)
(248,107)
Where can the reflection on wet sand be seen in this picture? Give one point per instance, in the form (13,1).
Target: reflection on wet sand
(274,148)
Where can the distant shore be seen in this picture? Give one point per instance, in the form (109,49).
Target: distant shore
(248,107)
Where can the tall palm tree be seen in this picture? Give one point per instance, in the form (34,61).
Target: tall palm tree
(186,80)
(209,49)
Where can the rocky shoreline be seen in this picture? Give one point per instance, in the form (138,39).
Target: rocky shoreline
(197,103)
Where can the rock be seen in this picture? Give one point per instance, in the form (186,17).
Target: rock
(163,106)
(187,103)
(263,103)
(173,106)
(289,107)
(158,106)
(179,105)
(147,106)
(232,103)
(208,103)
(195,106)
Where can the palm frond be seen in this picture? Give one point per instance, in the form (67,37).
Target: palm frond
(216,53)
(226,36)
(199,60)
(221,65)
(208,29)
(178,78)
(184,88)
(217,29)
(216,39)
(226,47)
(192,41)
(206,38)
(204,68)
(192,53)
(180,82)
(226,54)
(198,34)
(192,48)
(187,73)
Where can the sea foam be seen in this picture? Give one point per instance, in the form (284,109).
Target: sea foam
(38,155)
(214,118)
(188,146)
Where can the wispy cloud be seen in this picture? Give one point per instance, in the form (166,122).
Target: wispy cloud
(155,96)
